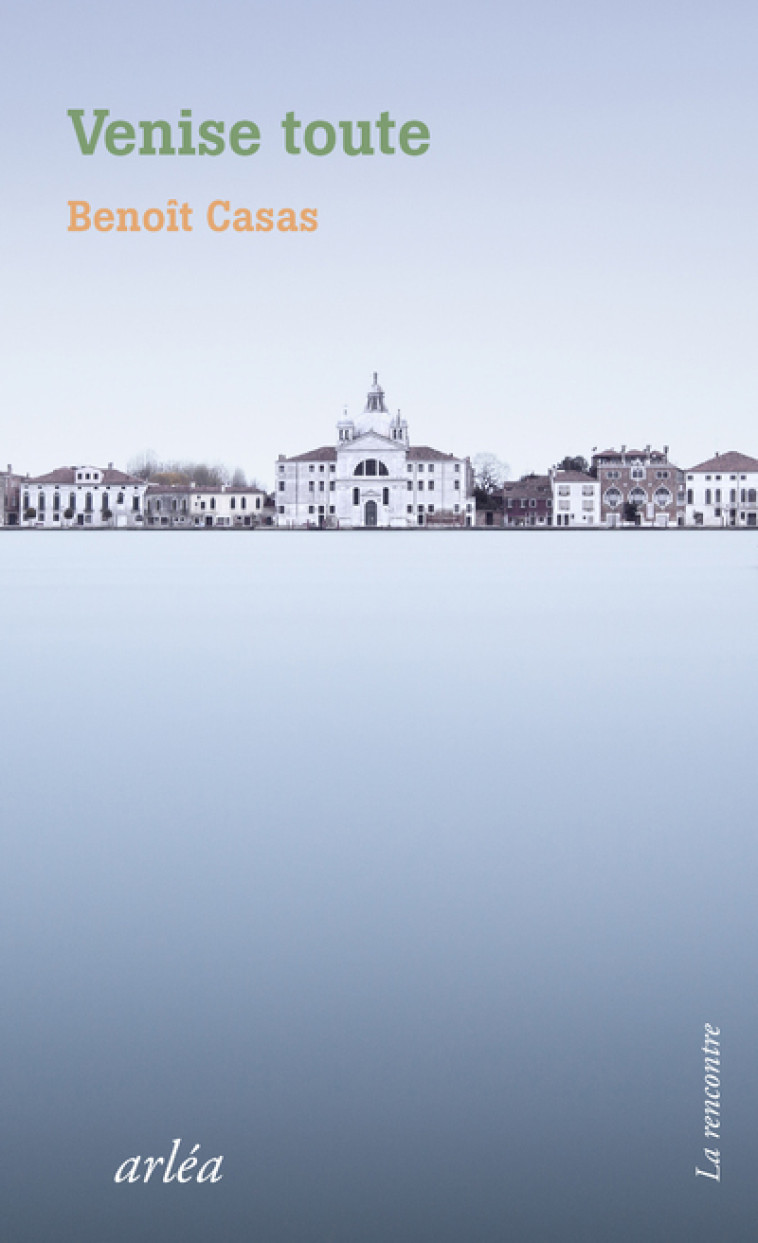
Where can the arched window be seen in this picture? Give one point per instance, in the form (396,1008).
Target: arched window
(662,497)
(613,498)
(637,496)
(371,467)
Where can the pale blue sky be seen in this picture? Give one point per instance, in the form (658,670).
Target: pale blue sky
(572,264)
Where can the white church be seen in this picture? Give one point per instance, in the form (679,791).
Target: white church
(373,477)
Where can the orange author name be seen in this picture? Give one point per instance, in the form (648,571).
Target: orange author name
(220,217)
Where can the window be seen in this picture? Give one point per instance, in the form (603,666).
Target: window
(385,496)
(637,496)
(232,504)
(213,502)
(311,509)
(662,497)
(457,483)
(281,509)
(532,503)
(332,485)
(356,496)
(311,486)
(421,465)
(637,472)
(371,467)
(410,485)
(564,490)
(281,485)
(321,485)
(88,502)
(420,485)
(321,467)
(311,467)
(457,466)
(119,498)
(56,502)
(718,492)
(281,469)
(690,497)
(430,485)
(243,502)
(410,509)
(613,497)
(135,504)
(708,496)
(410,467)
(430,509)
(431,466)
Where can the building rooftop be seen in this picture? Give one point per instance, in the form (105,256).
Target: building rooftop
(731,461)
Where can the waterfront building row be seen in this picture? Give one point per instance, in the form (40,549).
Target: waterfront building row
(372,475)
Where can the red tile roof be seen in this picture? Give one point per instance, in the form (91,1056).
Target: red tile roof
(728,461)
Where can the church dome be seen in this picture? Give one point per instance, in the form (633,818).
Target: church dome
(375,417)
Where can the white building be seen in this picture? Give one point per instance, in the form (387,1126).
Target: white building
(191,505)
(90,496)
(722,491)
(576,498)
(373,477)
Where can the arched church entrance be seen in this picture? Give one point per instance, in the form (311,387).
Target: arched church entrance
(370,514)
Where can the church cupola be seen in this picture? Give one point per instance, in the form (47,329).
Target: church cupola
(375,399)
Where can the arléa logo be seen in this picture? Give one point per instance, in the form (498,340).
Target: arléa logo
(141,1169)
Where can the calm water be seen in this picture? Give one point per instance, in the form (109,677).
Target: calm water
(403,870)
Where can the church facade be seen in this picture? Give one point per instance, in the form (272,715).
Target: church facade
(373,477)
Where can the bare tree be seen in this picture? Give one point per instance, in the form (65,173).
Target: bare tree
(144,465)
(489,474)
(239,478)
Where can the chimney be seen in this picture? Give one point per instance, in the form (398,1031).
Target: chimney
(666,452)
(110,466)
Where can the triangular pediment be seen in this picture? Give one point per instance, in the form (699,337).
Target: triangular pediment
(371,440)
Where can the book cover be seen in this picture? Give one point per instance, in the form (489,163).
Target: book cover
(393,884)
